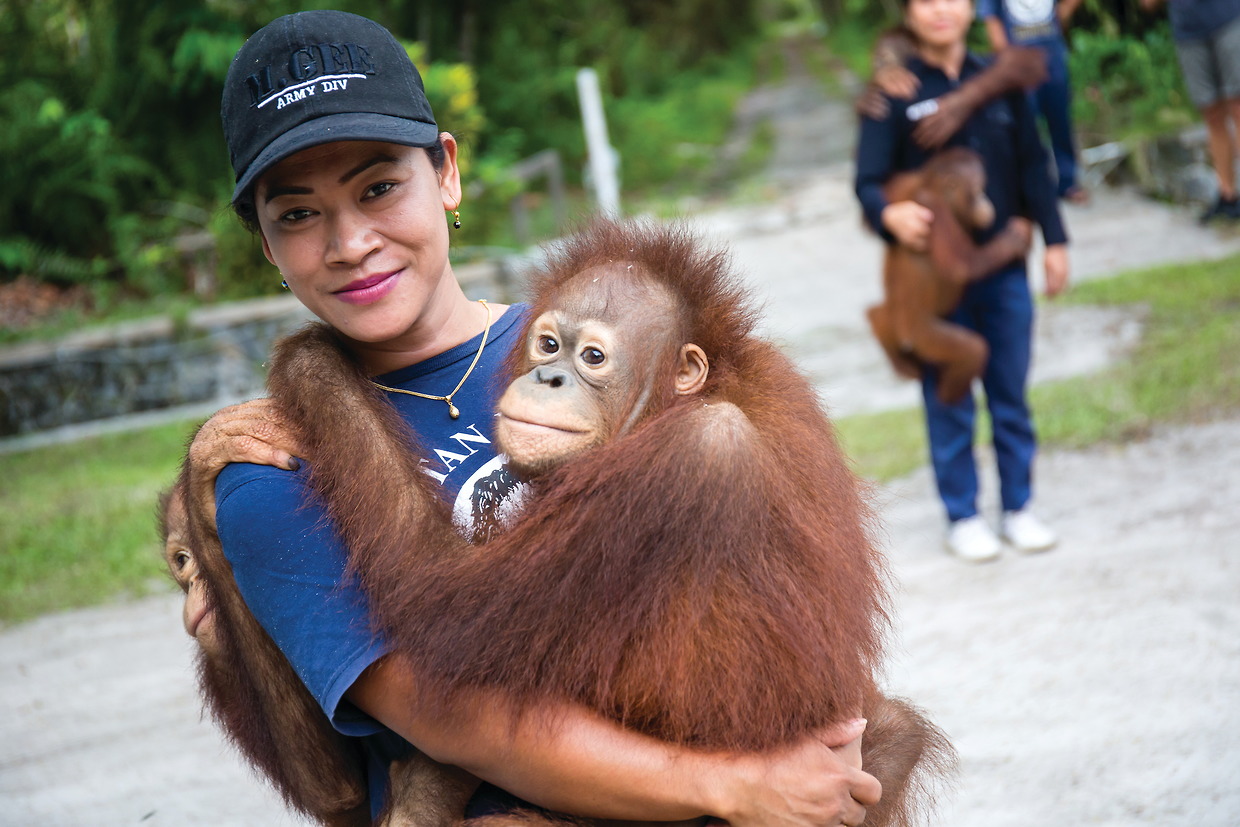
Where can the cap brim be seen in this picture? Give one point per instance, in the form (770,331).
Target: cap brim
(349,126)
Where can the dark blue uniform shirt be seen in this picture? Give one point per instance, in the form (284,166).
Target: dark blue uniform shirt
(1004,133)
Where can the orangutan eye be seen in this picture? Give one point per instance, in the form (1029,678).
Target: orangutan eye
(593,356)
(180,560)
(548,344)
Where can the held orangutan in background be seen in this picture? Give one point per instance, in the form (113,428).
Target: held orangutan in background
(1015,68)
(694,559)
(920,288)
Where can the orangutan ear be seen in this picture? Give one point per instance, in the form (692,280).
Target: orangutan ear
(691,374)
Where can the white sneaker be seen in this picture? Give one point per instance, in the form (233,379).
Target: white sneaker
(1026,532)
(972,540)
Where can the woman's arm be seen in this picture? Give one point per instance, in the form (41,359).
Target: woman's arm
(569,759)
(566,757)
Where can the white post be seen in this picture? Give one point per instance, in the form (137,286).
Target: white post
(598,146)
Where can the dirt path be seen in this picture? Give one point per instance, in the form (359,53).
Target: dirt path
(1097,684)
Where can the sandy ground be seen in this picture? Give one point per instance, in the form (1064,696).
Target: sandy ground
(1098,684)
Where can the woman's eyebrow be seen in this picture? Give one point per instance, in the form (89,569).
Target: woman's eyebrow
(278,189)
(379,158)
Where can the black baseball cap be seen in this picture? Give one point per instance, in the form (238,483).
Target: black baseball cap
(314,77)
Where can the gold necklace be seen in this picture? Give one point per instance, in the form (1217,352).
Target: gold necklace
(452,409)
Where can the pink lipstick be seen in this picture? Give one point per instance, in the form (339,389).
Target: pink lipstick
(369,289)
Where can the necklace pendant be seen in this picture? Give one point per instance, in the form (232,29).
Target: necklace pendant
(453,412)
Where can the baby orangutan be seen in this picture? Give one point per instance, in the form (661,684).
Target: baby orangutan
(920,288)
(694,560)
(289,745)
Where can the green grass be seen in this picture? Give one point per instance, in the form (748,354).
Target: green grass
(77,526)
(1185,369)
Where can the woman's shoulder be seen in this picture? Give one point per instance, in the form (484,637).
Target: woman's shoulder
(241,488)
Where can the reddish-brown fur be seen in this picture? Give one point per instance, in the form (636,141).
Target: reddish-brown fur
(920,288)
(708,579)
(252,691)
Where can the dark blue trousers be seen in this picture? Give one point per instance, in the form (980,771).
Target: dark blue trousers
(1000,308)
(1053,100)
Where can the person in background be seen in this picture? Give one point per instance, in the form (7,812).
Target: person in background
(1207,41)
(999,307)
(1040,24)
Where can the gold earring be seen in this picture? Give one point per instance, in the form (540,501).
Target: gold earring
(456,219)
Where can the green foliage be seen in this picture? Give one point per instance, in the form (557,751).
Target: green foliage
(644,53)
(111,112)
(242,271)
(1126,85)
(667,140)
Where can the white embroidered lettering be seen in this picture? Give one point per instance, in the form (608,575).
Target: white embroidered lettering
(294,96)
(333,85)
(282,98)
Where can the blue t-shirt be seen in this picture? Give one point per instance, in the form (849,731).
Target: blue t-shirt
(1027,22)
(1199,19)
(290,565)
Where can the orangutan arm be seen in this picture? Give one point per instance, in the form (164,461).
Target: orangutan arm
(571,760)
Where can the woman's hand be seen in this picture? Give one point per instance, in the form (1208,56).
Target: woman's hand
(253,431)
(1056,265)
(909,222)
(817,783)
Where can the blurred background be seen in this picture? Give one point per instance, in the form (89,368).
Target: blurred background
(132,304)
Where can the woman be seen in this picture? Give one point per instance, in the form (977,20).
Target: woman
(1000,306)
(342,170)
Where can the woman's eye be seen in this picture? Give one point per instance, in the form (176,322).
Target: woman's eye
(293,216)
(593,356)
(379,189)
(548,345)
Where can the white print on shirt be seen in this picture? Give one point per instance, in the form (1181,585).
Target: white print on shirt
(1030,12)
(488,501)
(449,459)
(923,109)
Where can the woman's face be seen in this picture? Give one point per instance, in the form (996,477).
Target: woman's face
(939,23)
(357,230)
